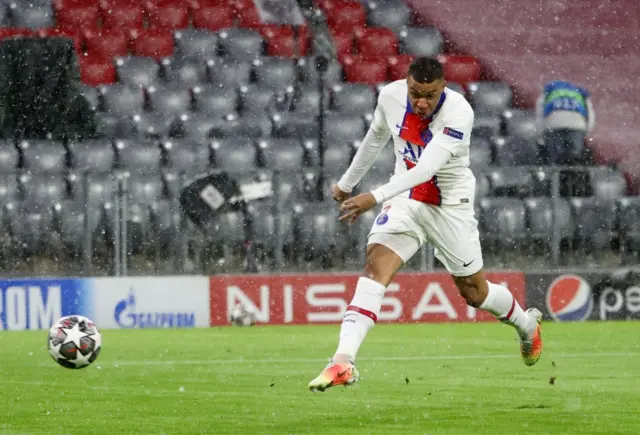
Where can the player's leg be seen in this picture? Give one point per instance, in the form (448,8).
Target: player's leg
(453,230)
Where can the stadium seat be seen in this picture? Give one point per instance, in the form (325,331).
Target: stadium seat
(337,156)
(375,42)
(281,154)
(514,150)
(607,183)
(105,43)
(281,40)
(121,14)
(213,17)
(111,126)
(43,190)
(169,98)
(490,98)
(154,125)
(9,189)
(306,100)
(55,32)
(234,155)
(215,100)
(341,127)
(229,73)
(196,44)
(185,156)
(145,188)
(266,229)
(229,230)
(486,127)
(101,190)
(479,154)
(347,14)
(595,223)
(167,14)
(155,43)
(503,221)
(188,72)
(77,15)
(30,229)
(360,70)
(354,98)
(254,99)
(253,125)
(482,186)
(121,100)
(309,73)
(196,126)
(460,69)
(5,17)
(510,181)
(43,156)
(399,66)
(31,15)
(241,43)
(295,125)
(343,41)
(202,126)
(95,71)
(275,73)
(421,41)
(546,215)
(138,156)
(395,15)
(137,71)
(317,233)
(95,156)
(629,217)
(9,157)
(247,14)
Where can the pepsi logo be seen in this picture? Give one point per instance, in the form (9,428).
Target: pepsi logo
(569,298)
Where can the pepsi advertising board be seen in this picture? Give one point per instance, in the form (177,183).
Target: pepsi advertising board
(574,297)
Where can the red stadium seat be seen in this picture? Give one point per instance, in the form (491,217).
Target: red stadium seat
(358,69)
(213,18)
(346,15)
(9,32)
(399,66)
(156,43)
(247,14)
(65,4)
(281,40)
(95,70)
(343,41)
(167,14)
(74,36)
(460,69)
(76,16)
(121,14)
(105,43)
(376,41)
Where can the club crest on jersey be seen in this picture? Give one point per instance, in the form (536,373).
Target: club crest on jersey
(382,219)
(453,133)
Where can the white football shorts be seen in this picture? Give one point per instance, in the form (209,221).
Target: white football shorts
(404,225)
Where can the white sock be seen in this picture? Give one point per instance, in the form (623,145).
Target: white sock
(360,316)
(501,303)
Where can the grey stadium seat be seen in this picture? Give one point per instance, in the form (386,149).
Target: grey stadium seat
(254,99)
(394,15)
(121,100)
(520,122)
(9,189)
(234,154)
(197,126)
(138,156)
(354,98)
(385,163)
(595,222)
(503,220)
(421,41)
(317,232)
(5,17)
(629,216)
(69,221)
(229,230)
(137,70)
(306,100)
(154,125)
(490,97)
(544,216)
(196,44)
(185,155)
(229,72)
(100,189)
(309,73)
(514,151)
(486,127)
(170,98)
(482,186)
(265,230)
(43,190)
(281,154)
(343,127)
(510,181)
(186,72)
(43,156)
(250,125)
(479,154)
(111,126)
(96,156)
(337,156)
(311,152)
(9,157)
(91,94)
(293,124)
(31,15)
(240,43)
(215,100)
(274,72)
(30,226)
(145,189)
(607,183)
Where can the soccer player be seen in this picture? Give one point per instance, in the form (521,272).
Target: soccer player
(429,199)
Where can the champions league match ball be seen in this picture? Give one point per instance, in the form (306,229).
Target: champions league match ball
(74,342)
(242,316)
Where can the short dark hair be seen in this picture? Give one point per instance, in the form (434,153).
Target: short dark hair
(426,70)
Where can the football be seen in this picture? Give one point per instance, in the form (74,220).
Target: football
(242,316)
(74,342)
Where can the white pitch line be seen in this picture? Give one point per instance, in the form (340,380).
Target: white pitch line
(382,359)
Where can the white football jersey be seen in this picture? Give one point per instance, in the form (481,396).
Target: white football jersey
(450,126)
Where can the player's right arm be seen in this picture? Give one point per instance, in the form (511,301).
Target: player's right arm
(374,141)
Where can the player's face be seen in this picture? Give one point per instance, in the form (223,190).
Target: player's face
(424,97)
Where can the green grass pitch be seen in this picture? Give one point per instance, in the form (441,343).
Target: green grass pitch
(416,379)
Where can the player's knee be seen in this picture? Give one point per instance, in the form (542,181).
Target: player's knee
(469,290)
(374,271)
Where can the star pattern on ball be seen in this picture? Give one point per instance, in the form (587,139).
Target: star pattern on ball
(74,334)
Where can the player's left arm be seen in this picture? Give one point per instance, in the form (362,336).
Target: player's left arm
(445,144)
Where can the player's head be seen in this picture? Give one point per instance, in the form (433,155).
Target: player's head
(426,84)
